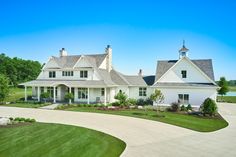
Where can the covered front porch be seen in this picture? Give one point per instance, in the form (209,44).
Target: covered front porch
(88,94)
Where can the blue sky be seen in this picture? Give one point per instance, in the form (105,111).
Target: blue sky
(140,32)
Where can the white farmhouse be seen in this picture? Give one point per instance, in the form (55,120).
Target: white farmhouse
(92,79)
(185,81)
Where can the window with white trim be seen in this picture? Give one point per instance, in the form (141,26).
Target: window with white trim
(67,73)
(52,74)
(183,98)
(142,91)
(184,73)
(84,74)
(82,93)
(102,91)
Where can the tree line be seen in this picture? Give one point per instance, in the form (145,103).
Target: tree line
(18,70)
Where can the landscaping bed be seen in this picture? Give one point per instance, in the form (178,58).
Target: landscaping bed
(183,119)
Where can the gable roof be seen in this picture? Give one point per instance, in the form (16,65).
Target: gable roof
(70,61)
(135,80)
(205,65)
(150,80)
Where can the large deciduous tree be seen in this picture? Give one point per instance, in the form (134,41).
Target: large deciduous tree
(4,88)
(223,86)
(18,70)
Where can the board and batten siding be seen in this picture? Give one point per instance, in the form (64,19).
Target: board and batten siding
(196,95)
(193,74)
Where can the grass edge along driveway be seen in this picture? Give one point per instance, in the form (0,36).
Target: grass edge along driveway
(45,139)
(196,123)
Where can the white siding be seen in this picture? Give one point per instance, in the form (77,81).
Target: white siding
(193,74)
(91,74)
(134,93)
(196,96)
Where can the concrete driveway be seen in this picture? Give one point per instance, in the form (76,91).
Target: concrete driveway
(145,137)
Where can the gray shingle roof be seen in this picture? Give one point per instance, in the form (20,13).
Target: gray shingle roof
(190,84)
(135,80)
(70,61)
(150,80)
(204,64)
(118,78)
(69,83)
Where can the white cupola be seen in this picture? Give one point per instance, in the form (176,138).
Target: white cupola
(183,52)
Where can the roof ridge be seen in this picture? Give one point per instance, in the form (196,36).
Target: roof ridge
(122,77)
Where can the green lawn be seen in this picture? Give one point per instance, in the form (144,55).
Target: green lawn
(26,104)
(17,93)
(229,99)
(232,88)
(202,124)
(56,140)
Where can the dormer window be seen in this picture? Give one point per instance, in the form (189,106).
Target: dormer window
(84,74)
(52,74)
(184,73)
(67,73)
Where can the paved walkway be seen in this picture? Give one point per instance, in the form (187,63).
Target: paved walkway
(50,107)
(145,137)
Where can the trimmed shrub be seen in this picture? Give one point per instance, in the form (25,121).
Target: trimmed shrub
(140,102)
(116,103)
(175,107)
(121,97)
(131,101)
(209,107)
(32,120)
(148,101)
(183,108)
(189,107)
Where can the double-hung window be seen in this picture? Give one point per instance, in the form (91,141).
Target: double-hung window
(102,91)
(52,74)
(184,73)
(142,91)
(67,73)
(183,98)
(82,93)
(83,74)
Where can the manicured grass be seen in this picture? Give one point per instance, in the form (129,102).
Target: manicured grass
(17,93)
(50,140)
(232,88)
(197,123)
(229,99)
(26,105)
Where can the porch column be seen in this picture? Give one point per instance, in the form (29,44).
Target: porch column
(38,93)
(88,97)
(105,96)
(54,94)
(69,92)
(25,93)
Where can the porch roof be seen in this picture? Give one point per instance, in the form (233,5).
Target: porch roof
(69,83)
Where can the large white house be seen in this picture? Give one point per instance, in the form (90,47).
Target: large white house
(93,79)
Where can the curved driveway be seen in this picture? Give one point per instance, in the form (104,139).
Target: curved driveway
(145,137)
